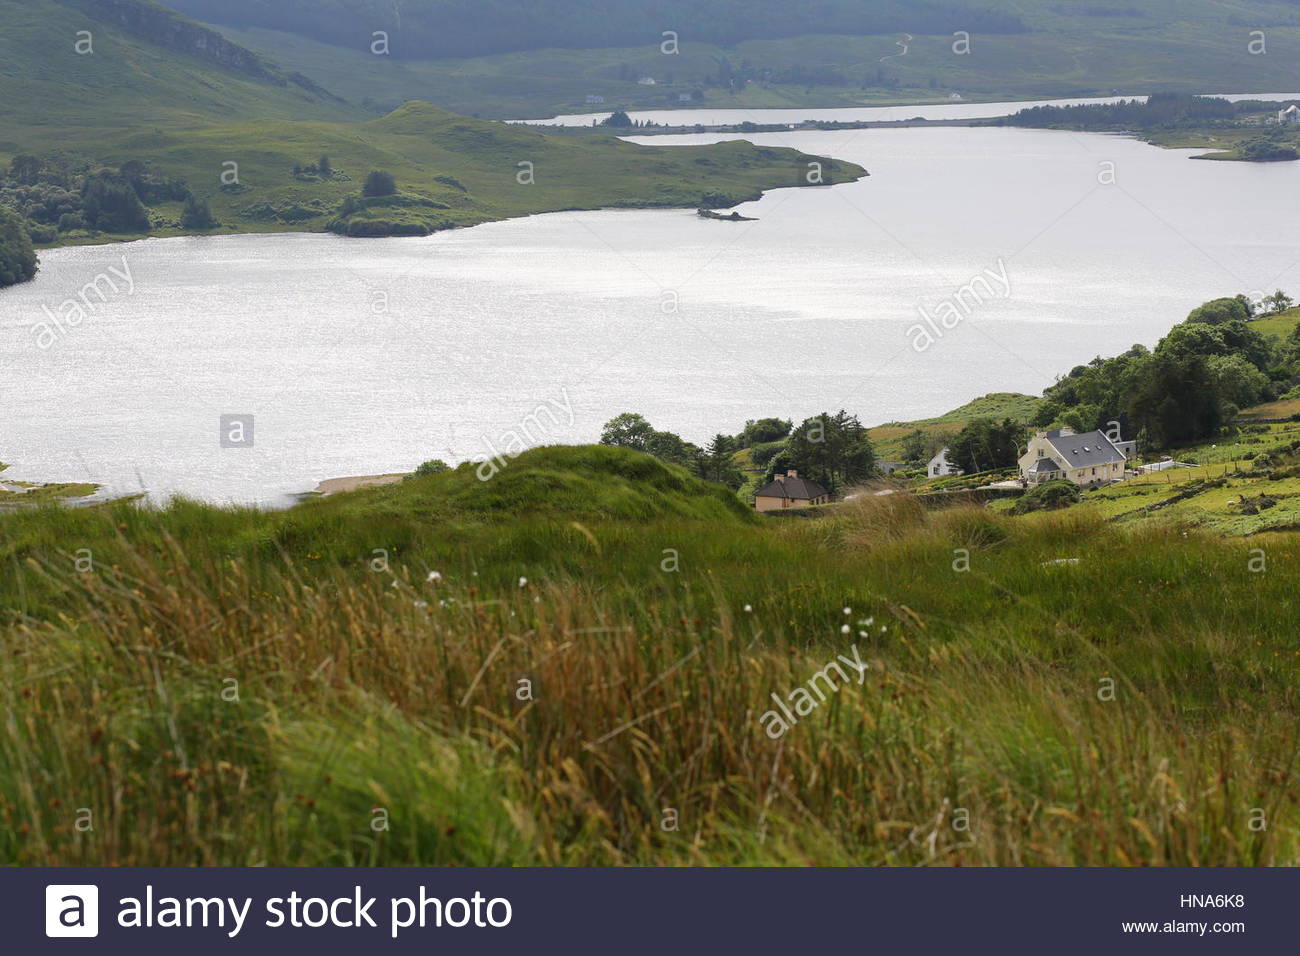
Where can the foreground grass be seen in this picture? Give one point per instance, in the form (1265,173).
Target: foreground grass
(227,687)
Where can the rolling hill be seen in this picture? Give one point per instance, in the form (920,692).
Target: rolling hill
(760,53)
(190,131)
(68,66)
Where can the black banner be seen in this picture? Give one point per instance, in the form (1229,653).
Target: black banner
(648,911)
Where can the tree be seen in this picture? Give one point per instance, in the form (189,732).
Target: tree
(1219,311)
(1048,413)
(17,257)
(833,450)
(716,464)
(196,214)
(1276,303)
(986,445)
(324,167)
(631,430)
(1238,381)
(25,169)
(618,118)
(914,446)
(763,430)
(1177,401)
(628,430)
(110,204)
(379,183)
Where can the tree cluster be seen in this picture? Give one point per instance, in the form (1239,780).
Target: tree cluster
(1194,382)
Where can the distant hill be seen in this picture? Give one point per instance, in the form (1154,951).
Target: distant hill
(116,63)
(512,58)
(422,29)
(126,118)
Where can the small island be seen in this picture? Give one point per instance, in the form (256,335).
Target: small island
(734,217)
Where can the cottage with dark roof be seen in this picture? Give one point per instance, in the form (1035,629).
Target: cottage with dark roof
(790,491)
(1087,460)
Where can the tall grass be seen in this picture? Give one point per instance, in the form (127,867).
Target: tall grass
(210,696)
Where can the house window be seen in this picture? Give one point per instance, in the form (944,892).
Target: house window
(1040,452)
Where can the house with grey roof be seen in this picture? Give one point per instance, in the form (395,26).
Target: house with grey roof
(1088,460)
(790,491)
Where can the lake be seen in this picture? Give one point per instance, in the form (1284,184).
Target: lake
(851,114)
(369,356)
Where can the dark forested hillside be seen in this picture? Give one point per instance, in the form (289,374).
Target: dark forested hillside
(461,28)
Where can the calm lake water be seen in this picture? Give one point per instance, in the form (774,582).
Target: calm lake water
(369,356)
(939,111)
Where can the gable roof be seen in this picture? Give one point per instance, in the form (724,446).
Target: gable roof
(792,488)
(1045,465)
(1085,451)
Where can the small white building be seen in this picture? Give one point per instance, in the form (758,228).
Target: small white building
(1165,464)
(647,81)
(594,99)
(941,467)
(1289,116)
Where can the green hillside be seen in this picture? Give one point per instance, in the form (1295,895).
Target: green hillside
(531,670)
(142,65)
(174,129)
(1042,48)
(450,171)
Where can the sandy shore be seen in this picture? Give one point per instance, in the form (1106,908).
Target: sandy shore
(332,486)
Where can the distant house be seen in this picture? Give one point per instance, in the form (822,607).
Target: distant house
(889,467)
(646,81)
(941,467)
(594,99)
(790,491)
(684,97)
(1289,116)
(1087,460)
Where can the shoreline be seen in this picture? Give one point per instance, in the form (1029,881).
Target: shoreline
(335,486)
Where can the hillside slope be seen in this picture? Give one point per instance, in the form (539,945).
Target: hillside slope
(450,171)
(527,671)
(96,64)
(809,55)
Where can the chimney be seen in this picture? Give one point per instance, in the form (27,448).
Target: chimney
(792,474)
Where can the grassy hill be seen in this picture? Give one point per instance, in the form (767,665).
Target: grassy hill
(451,171)
(1070,48)
(533,670)
(148,85)
(144,66)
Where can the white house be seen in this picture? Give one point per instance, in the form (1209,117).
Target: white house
(941,467)
(1289,116)
(594,99)
(1087,460)
(647,81)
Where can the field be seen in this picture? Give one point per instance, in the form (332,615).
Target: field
(575,663)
